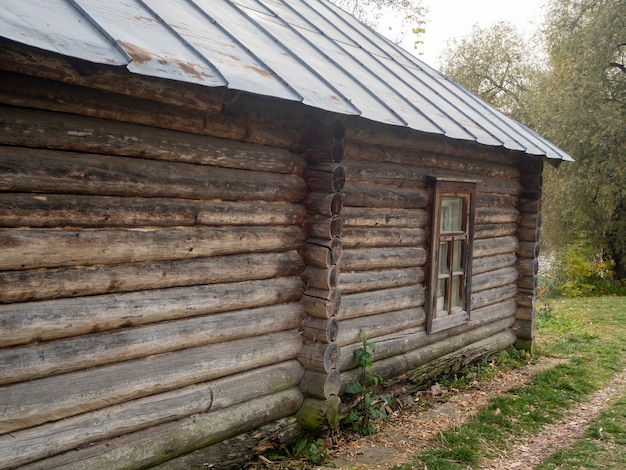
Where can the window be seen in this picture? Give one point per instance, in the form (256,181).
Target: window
(451,255)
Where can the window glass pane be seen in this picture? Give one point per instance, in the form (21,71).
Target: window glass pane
(441,291)
(451,214)
(443,258)
(455,302)
(457,256)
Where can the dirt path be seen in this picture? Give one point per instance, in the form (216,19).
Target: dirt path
(411,429)
(531,451)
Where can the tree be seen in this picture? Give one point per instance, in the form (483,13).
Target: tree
(580,104)
(495,63)
(576,99)
(395,19)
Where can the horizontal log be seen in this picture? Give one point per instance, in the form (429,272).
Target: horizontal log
(149,447)
(489,320)
(31,92)
(406,168)
(322,253)
(525,314)
(382,258)
(526,205)
(320,357)
(331,153)
(44,129)
(240,450)
(57,67)
(43,284)
(503,201)
(374,302)
(495,295)
(52,398)
(431,146)
(316,414)
(372,217)
(325,178)
(18,364)
(525,330)
(528,234)
(490,215)
(319,226)
(494,246)
(46,320)
(494,231)
(470,354)
(530,220)
(320,385)
(49,248)
(28,445)
(528,282)
(417,353)
(375,196)
(60,210)
(381,324)
(52,171)
(320,329)
(526,297)
(321,304)
(528,266)
(492,263)
(528,250)
(530,179)
(375,280)
(321,278)
(380,237)
(497,278)
(326,204)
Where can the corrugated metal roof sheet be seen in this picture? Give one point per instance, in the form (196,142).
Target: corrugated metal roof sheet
(299,50)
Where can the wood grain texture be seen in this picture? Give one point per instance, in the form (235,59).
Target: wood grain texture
(60,210)
(52,171)
(28,445)
(363,281)
(48,358)
(44,129)
(382,258)
(46,320)
(51,283)
(148,447)
(39,401)
(380,301)
(23,248)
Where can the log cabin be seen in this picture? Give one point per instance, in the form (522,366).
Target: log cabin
(204,203)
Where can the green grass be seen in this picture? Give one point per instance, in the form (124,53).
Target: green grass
(591,334)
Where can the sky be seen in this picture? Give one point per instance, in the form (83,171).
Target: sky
(455,18)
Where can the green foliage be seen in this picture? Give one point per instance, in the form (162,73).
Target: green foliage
(580,271)
(370,407)
(486,369)
(579,103)
(493,62)
(306,449)
(574,94)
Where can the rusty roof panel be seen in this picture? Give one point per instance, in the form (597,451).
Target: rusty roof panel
(300,50)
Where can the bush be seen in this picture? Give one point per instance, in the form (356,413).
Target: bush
(579,271)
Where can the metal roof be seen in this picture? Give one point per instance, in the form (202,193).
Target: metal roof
(308,51)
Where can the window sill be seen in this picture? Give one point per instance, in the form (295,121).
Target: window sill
(449,321)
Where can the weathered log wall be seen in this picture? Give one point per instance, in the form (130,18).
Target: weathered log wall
(147,278)
(386,229)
